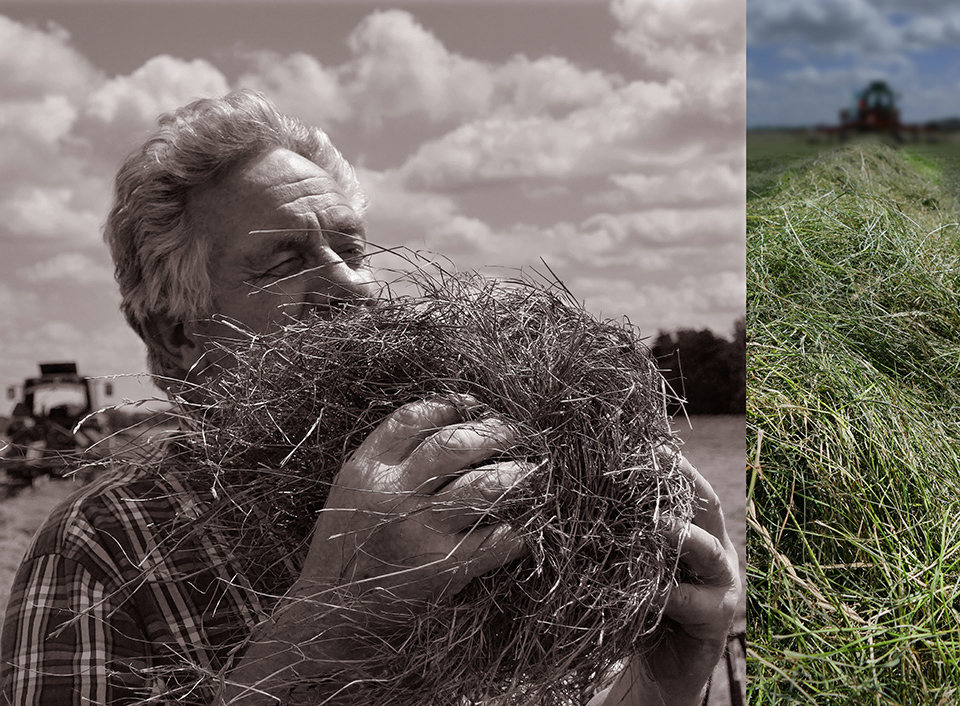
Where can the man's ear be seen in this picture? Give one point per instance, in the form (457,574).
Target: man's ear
(178,342)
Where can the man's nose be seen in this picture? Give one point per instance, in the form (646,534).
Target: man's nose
(337,283)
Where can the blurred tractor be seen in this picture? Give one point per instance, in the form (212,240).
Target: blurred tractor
(51,424)
(875,111)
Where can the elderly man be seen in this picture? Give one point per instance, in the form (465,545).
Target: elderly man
(233,214)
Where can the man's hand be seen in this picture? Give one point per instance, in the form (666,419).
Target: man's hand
(405,514)
(403,525)
(697,618)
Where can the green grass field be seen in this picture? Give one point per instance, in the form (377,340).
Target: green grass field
(853,422)
(773,153)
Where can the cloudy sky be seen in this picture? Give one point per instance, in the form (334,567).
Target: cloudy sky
(805,58)
(604,137)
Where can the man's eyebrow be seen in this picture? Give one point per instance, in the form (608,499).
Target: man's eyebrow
(352,228)
(285,239)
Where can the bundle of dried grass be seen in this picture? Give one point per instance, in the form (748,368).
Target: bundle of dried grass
(588,402)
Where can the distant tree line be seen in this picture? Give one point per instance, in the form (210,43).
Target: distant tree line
(706,370)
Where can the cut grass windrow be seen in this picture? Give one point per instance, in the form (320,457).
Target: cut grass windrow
(853,433)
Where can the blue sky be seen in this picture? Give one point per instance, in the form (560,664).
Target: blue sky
(604,136)
(806,58)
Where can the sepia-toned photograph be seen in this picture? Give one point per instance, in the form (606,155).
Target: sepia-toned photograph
(381,353)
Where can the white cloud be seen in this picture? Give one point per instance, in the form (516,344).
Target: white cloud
(865,28)
(496,149)
(57,332)
(433,222)
(126,105)
(299,85)
(662,243)
(63,126)
(659,227)
(14,303)
(617,131)
(46,120)
(916,5)
(35,63)
(705,183)
(43,82)
(660,240)
(836,26)
(399,215)
(939,29)
(49,212)
(652,307)
(712,301)
(69,267)
(549,85)
(699,42)
(400,69)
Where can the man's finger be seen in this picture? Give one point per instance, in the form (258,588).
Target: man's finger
(711,560)
(707,510)
(406,428)
(453,449)
(475,494)
(704,611)
(489,548)
(467,555)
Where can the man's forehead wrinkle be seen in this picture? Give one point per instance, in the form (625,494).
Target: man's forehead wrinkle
(329,212)
(319,186)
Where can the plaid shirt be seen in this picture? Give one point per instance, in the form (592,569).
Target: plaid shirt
(116,602)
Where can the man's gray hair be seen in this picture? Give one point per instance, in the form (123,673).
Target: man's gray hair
(162,264)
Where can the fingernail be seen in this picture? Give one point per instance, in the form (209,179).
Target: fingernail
(465,403)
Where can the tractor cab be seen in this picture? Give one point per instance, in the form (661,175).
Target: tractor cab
(49,425)
(874,110)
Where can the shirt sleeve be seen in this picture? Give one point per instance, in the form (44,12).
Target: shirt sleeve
(65,642)
(118,601)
